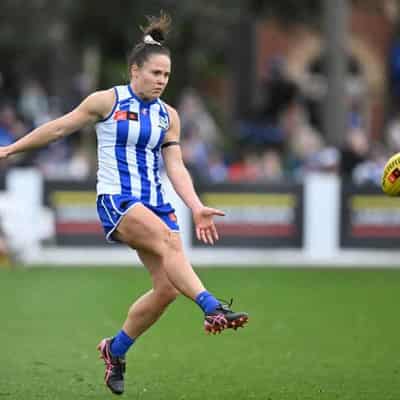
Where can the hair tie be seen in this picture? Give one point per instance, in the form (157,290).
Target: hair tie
(148,39)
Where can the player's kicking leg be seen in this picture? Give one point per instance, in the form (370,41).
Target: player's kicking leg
(141,229)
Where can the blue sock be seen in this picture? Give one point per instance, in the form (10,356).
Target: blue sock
(207,302)
(120,344)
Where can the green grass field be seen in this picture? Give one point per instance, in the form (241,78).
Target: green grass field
(313,334)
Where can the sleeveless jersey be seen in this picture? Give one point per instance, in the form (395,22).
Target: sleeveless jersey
(129,146)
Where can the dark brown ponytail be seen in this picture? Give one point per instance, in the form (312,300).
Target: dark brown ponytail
(154,35)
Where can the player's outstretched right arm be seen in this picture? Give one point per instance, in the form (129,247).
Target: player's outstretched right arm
(92,109)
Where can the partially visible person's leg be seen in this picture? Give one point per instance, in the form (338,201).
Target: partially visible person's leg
(162,253)
(148,308)
(141,229)
(142,314)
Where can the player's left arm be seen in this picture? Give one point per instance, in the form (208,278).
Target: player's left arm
(183,184)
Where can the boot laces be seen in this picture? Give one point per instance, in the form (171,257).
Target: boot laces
(225,305)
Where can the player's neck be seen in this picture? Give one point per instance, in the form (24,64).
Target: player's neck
(140,95)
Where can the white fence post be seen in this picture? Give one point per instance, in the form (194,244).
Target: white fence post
(25,194)
(321,215)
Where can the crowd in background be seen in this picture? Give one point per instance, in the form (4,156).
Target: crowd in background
(280,139)
(64,159)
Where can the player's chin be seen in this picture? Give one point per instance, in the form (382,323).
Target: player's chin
(157,92)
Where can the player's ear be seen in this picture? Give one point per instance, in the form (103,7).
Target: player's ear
(134,70)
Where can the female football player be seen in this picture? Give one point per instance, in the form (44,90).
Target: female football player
(134,128)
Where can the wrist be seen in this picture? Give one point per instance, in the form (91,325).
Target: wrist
(9,150)
(196,207)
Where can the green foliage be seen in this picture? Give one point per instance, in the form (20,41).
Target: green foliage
(114,72)
(200,41)
(313,334)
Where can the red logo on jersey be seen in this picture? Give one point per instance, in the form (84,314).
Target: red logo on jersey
(125,115)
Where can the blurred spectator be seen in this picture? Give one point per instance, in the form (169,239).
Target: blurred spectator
(303,142)
(246,169)
(54,159)
(325,160)
(33,103)
(195,151)
(65,159)
(354,152)
(192,110)
(314,86)
(217,169)
(12,128)
(259,132)
(279,92)
(10,122)
(393,133)
(78,166)
(271,167)
(355,117)
(370,171)
(263,125)
(6,137)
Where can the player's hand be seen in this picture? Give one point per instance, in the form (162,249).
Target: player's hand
(4,152)
(204,224)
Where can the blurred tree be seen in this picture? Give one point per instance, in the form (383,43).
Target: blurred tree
(198,40)
(35,43)
(50,38)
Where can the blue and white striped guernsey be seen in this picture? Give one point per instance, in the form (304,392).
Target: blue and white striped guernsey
(129,145)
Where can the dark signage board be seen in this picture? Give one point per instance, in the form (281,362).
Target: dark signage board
(261,216)
(76,220)
(369,218)
(269,216)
